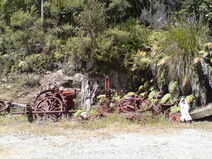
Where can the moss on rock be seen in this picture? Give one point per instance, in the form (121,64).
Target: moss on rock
(189,98)
(166,98)
(130,94)
(144,94)
(152,94)
(174,89)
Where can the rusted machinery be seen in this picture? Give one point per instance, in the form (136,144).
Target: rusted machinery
(51,103)
(55,103)
(4,107)
(107,88)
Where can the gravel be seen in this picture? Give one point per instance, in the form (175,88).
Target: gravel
(177,144)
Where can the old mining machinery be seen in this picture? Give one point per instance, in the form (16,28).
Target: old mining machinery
(51,103)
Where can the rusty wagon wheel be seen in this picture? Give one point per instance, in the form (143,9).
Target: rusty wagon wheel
(49,104)
(47,93)
(3,108)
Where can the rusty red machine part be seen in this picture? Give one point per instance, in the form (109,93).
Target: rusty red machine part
(104,106)
(51,103)
(107,88)
(4,107)
(133,104)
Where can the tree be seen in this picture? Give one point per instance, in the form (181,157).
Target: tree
(92,19)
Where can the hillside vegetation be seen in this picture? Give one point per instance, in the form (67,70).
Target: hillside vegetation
(162,45)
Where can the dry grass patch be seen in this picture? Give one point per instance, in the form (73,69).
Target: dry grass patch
(19,88)
(113,123)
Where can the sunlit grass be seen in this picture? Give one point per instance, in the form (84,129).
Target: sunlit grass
(113,123)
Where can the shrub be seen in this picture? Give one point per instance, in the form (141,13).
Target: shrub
(30,81)
(181,45)
(79,46)
(92,19)
(118,11)
(141,61)
(21,19)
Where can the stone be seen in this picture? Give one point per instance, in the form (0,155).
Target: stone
(54,79)
(130,94)
(77,114)
(201,112)
(144,94)
(152,94)
(77,79)
(84,115)
(166,98)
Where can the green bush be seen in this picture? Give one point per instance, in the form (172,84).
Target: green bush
(118,11)
(92,19)
(30,81)
(21,19)
(181,45)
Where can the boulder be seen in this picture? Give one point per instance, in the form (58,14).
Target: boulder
(54,78)
(201,112)
(84,115)
(59,78)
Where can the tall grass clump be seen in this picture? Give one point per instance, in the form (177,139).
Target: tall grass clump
(181,45)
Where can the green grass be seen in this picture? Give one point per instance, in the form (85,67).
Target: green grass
(113,123)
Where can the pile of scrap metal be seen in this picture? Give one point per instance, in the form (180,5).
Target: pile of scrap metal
(50,103)
(131,107)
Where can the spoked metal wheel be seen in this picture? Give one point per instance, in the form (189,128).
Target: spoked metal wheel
(47,93)
(48,105)
(3,108)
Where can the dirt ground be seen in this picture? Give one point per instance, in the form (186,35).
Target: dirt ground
(147,143)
